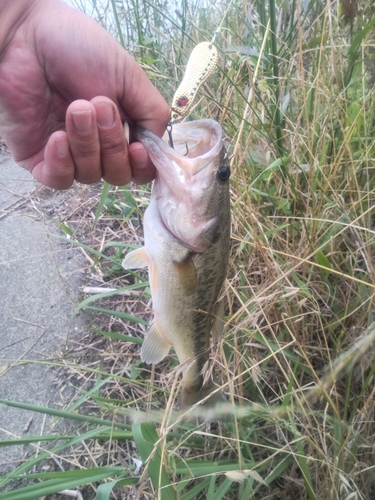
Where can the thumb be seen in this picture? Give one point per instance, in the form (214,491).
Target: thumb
(141,101)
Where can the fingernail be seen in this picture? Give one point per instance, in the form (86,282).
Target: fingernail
(82,120)
(105,114)
(62,146)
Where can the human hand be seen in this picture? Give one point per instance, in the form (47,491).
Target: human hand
(65,89)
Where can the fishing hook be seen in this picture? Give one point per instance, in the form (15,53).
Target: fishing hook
(169,130)
(214,34)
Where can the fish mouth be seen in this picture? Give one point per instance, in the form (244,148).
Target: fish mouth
(195,144)
(185,181)
(194,139)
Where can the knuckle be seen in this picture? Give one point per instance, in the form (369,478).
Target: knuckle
(113,144)
(86,149)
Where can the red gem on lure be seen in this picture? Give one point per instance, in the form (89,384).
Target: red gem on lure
(182,101)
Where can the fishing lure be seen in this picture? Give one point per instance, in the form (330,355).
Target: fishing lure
(201,64)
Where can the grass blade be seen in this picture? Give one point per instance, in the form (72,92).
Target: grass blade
(103,198)
(146,440)
(104,490)
(61,481)
(119,314)
(65,414)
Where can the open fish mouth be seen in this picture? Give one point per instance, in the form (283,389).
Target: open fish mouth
(195,144)
(187,185)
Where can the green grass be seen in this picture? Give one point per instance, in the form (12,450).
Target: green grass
(294,92)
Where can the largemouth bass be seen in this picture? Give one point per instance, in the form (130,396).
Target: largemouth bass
(187,233)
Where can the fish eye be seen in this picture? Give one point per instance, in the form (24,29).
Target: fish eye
(223,172)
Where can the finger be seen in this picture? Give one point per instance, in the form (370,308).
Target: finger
(141,100)
(113,146)
(56,170)
(142,168)
(83,136)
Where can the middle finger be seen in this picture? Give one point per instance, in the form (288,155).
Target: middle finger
(84,144)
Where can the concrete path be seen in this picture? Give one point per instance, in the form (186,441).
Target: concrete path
(39,286)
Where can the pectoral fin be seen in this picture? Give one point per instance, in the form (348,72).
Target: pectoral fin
(219,321)
(155,347)
(187,274)
(135,259)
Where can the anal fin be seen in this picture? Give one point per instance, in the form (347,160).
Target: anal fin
(155,346)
